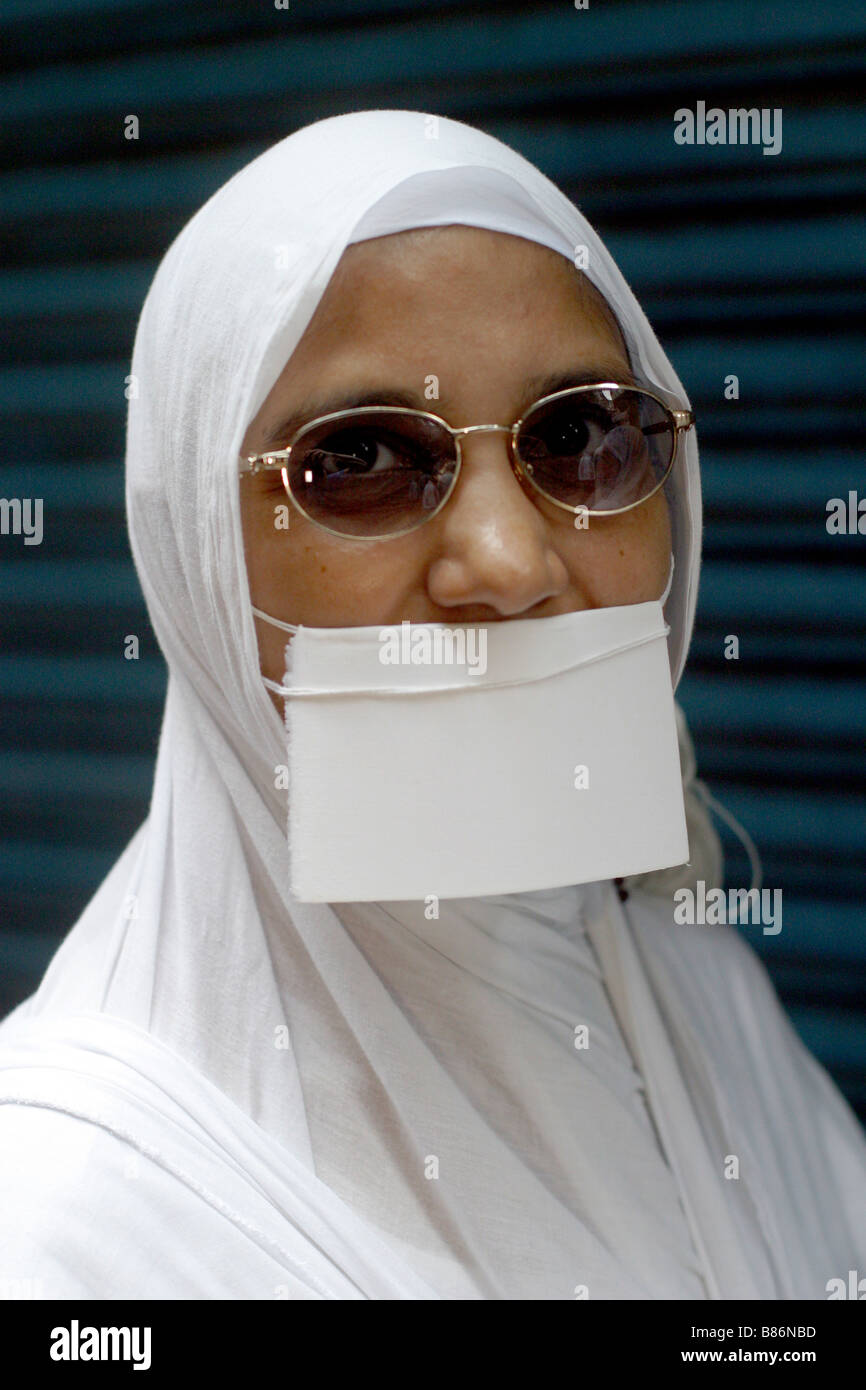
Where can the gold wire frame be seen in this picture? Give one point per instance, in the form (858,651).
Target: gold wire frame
(273,459)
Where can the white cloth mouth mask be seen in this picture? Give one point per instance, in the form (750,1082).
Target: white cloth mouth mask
(434,762)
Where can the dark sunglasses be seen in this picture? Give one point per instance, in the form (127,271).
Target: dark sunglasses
(382,471)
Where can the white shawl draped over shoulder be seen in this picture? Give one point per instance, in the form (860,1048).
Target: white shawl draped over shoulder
(219,1092)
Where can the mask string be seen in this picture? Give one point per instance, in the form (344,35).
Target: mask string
(284,627)
(738,829)
(319,692)
(275,622)
(664,598)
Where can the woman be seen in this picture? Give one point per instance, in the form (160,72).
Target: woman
(226,1089)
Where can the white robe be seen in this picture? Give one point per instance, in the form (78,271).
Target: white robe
(219,1092)
(126,1174)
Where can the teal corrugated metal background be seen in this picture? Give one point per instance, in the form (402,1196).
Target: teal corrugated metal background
(746,264)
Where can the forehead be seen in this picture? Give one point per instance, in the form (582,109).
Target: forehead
(438,270)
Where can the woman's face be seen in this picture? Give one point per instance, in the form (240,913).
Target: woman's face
(490,316)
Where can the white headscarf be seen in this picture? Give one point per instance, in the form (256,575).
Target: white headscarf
(370,1104)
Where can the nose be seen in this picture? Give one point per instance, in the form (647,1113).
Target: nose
(494,547)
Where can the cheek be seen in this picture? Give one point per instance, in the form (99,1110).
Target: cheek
(304,575)
(260,503)
(624,559)
(282,551)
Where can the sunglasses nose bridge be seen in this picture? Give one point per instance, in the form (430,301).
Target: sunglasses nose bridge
(478,429)
(510,430)
(459,435)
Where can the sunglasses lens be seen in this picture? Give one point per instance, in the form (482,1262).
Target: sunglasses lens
(602,449)
(372,474)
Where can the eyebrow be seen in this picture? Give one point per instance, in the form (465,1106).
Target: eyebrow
(534,388)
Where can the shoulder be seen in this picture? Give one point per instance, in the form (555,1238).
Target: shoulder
(712,980)
(80,1214)
(737,1044)
(85,1214)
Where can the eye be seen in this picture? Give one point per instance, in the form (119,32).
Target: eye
(569,431)
(358,451)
